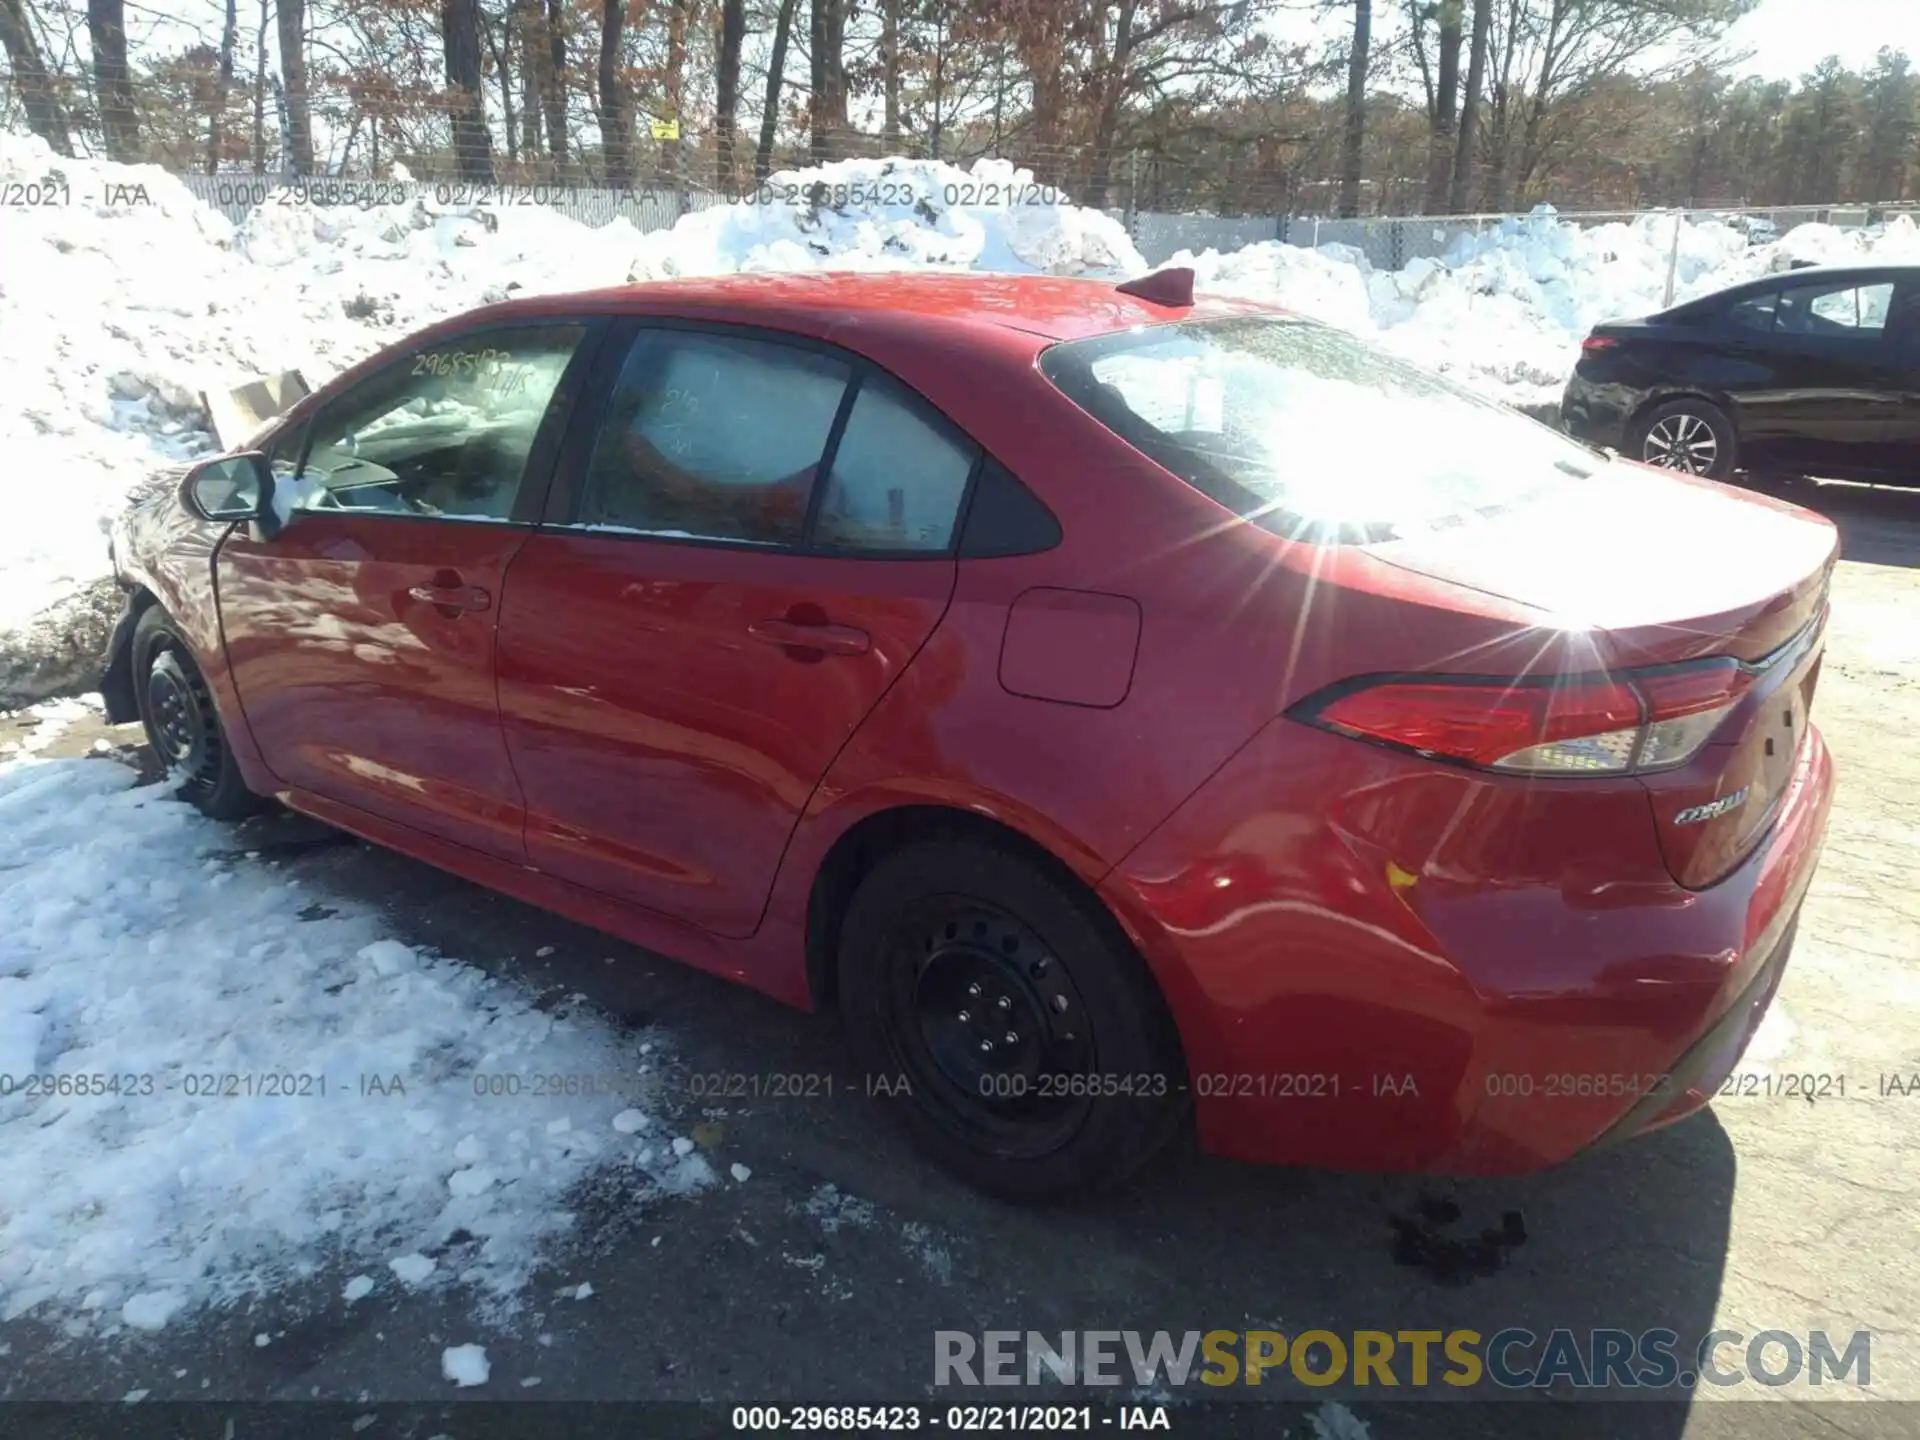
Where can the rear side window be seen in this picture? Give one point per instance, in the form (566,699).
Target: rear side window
(713,437)
(1307,431)
(1755,313)
(898,476)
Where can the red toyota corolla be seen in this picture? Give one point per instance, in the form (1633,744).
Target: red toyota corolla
(1115,702)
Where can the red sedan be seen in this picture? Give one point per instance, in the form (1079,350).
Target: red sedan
(1116,703)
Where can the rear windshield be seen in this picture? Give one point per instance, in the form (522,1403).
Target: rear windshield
(1306,431)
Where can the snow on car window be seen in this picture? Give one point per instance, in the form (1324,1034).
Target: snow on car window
(1305,430)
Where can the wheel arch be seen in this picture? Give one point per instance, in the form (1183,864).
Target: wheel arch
(860,846)
(118,684)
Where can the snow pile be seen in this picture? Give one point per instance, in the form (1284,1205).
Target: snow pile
(121,305)
(892,215)
(205,1094)
(1505,310)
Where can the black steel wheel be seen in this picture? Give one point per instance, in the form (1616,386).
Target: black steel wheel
(182,722)
(1036,1054)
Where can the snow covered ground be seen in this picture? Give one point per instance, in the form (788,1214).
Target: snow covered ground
(211,1087)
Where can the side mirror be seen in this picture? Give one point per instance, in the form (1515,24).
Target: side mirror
(233,487)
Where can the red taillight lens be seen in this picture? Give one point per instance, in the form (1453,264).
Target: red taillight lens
(1589,725)
(1597,342)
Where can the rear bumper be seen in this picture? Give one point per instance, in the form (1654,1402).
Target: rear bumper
(1457,999)
(1598,412)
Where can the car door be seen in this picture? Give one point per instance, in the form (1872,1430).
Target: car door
(1902,439)
(361,636)
(1823,405)
(746,547)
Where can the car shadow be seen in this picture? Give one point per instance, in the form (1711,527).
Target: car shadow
(1879,524)
(1630,1239)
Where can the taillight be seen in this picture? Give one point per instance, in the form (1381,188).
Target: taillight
(1604,725)
(1598,342)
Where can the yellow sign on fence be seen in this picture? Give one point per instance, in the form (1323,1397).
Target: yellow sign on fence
(666,129)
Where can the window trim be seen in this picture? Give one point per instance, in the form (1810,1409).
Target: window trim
(537,477)
(567,491)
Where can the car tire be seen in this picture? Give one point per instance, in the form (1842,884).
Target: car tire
(1038,1057)
(182,724)
(1692,436)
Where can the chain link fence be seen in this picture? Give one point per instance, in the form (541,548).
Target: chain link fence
(1388,242)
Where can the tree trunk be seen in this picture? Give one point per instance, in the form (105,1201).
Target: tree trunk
(776,73)
(113,84)
(616,125)
(502,62)
(223,85)
(292,16)
(1113,90)
(828,20)
(890,74)
(1441,135)
(46,116)
(1457,190)
(260,95)
(533,63)
(553,86)
(466,100)
(676,85)
(733,31)
(1356,130)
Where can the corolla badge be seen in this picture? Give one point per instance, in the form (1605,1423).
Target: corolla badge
(1694,814)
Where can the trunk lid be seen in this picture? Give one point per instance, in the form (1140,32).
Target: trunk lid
(1660,570)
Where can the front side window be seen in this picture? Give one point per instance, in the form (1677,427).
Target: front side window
(713,437)
(897,479)
(445,433)
(1305,430)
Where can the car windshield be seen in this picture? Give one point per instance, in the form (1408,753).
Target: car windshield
(1308,432)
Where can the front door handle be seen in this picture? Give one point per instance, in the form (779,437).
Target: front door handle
(791,634)
(453,597)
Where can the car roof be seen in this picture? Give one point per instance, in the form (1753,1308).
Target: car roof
(826,303)
(1861,273)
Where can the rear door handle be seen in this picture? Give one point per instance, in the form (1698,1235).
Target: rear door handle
(453,597)
(833,639)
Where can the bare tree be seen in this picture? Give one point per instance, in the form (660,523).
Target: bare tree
(1463,155)
(553,87)
(466,101)
(292,18)
(616,123)
(1442,100)
(39,96)
(890,74)
(733,29)
(776,74)
(530,32)
(112,84)
(827,53)
(1355,137)
(260,92)
(222,86)
(676,82)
